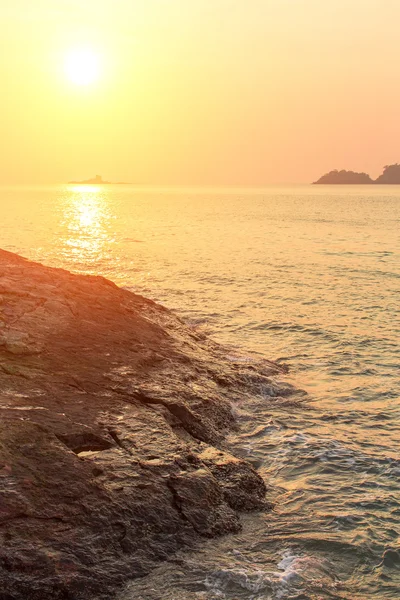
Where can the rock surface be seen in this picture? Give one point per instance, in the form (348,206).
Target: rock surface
(113,415)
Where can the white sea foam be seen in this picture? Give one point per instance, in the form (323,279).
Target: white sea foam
(223,582)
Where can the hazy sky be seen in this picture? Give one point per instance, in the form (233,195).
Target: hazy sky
(199,91)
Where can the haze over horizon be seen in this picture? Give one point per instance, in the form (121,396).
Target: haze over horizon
(199,92)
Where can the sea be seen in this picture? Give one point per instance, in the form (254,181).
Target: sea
(308,276)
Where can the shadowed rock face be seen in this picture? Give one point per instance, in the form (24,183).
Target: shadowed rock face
(113,415)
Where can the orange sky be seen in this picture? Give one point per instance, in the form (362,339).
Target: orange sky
(245,92)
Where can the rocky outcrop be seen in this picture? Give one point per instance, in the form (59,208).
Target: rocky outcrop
(113,414)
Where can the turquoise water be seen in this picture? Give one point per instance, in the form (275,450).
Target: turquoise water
(306,275)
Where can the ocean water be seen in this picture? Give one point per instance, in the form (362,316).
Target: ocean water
(308,276)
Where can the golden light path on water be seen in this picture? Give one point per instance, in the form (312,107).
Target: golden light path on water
(85,225)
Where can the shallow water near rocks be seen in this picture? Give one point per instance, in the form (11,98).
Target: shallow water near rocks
(309,276)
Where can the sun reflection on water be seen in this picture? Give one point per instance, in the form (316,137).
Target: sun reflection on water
(86,227)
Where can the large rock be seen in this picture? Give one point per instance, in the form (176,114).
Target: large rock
(113,415)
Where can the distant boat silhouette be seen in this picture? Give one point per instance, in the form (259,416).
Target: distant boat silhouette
(98,180)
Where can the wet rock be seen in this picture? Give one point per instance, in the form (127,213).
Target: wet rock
(113,415)
(391,558)
(200,500)
(242,486)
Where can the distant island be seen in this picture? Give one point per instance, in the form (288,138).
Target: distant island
(98,180)
(390,176)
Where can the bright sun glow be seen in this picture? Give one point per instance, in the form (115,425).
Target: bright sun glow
(82,66)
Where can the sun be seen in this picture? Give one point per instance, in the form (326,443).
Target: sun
(82,66)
